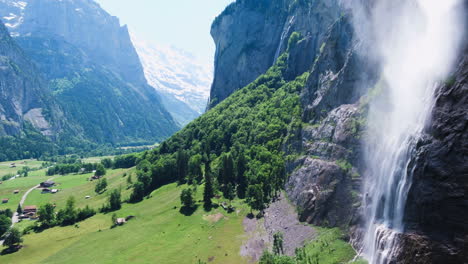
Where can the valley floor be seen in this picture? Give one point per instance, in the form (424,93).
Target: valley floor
(159,232)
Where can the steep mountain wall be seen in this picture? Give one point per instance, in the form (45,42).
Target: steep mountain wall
(324,159)
(436,214)
(92,69)
(85,25)
(24,96)
(250,35)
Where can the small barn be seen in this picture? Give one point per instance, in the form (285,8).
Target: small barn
(47,184)
(16,191)
(30,209)
(120,221)
(5,200)
(54,191)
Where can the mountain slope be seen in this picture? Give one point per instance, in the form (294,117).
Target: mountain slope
(92,67)
(29,115)
(179,78)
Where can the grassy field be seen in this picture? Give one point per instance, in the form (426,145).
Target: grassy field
(78,186)
(22,184)
(159,233)
(6,169)
(330,248)
(95,159)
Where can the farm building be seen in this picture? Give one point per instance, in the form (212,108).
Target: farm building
(30,209)
(47,184)
(120,221)
(16,191)
(54,191)
(46,190)
(5,200)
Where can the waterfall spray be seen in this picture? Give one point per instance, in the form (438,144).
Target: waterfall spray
(416,42)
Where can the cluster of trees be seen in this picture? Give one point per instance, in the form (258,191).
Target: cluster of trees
(5,221)
(114,202)
(121,162)
(23,172)
(64,217)
(236,148)
(64,169)
(11,236)
(72,164)
(32,144)
(101,185)
(7,176)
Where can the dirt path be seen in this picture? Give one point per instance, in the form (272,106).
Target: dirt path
(279,217)
(15,217)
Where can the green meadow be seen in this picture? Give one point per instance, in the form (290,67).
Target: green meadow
(22,184)
(159,233)
(5,167)
(79,186)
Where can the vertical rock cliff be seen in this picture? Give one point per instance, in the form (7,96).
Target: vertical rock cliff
(436,214)
(325,154)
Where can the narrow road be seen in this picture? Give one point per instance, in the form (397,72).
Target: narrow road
(15,217)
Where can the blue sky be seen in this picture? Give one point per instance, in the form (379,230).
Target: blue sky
(182,23)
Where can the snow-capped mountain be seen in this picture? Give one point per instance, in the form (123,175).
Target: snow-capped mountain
(176,73)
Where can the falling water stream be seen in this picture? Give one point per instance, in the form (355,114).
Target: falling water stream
(417,43)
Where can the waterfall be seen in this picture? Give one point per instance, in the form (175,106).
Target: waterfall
(416,43)
(284,35)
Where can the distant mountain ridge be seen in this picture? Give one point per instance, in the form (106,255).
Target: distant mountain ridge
(181,79)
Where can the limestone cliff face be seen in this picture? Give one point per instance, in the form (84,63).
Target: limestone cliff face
(24,96)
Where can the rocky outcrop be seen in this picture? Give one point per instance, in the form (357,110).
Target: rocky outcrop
(326,184)
(23,93)
(437,206)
